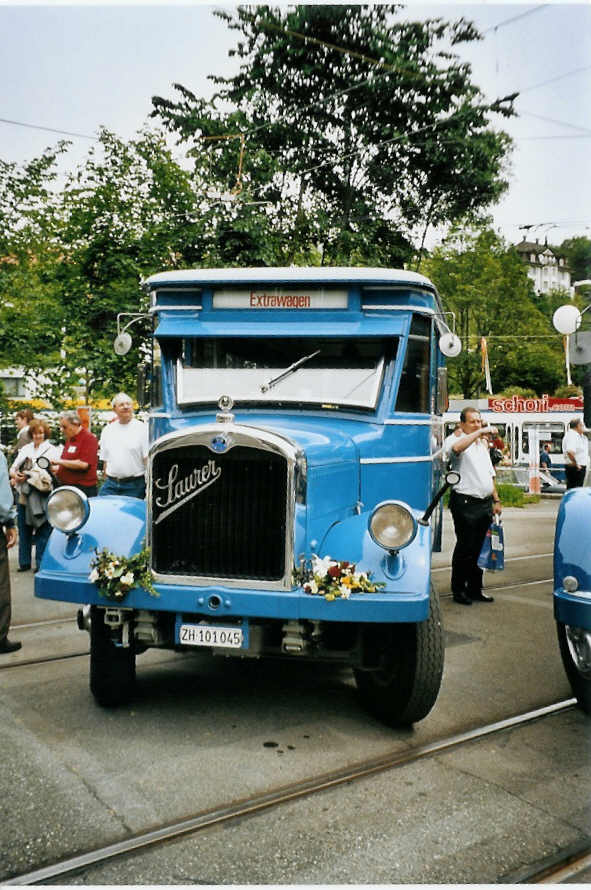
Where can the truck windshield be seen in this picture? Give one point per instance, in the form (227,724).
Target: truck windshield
(337,371)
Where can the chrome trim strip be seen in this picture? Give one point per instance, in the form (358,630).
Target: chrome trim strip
(424,310)
(411,422)
(397,460)
(579,594)
(252,437)
(165,308)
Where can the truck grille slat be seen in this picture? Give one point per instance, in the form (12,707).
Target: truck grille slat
(221,515)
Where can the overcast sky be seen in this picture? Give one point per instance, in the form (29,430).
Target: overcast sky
(74,68)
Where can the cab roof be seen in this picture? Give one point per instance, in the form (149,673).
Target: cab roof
(290,275)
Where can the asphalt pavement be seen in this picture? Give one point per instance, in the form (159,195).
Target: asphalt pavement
(206,731)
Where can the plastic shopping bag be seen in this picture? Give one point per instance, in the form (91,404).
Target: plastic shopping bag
(492,554)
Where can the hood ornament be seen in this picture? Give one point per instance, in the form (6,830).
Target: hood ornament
(225,404)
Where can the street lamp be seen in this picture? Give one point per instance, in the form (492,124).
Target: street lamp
(567,320)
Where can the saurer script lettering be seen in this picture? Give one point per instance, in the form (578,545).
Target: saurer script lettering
(179,491)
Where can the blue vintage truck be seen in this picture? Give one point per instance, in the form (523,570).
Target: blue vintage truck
(293,483)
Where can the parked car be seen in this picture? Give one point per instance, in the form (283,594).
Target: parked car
(572,591)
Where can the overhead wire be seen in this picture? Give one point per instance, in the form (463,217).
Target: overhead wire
(515,18)
(5,120)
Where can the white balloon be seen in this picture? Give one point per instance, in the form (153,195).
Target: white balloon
(450,345)
(566,319)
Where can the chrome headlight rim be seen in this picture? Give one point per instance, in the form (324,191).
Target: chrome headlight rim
(403,506)
(84,509)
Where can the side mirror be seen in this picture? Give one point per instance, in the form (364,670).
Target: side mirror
(122,343)
(450,344)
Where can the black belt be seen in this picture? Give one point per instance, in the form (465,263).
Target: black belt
(125,478)
(471,497)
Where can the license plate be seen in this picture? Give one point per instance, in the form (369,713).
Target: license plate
(211,635)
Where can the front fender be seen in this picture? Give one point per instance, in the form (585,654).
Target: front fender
(572,557)
(407,572)
(115,522)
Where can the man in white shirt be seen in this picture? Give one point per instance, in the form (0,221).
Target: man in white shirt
(124,449)
(575,448)
(473,502)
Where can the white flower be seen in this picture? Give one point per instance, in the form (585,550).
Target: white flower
(127,579)
(345,591)
(94,576)
(312,585)
(321,566)
(110,570)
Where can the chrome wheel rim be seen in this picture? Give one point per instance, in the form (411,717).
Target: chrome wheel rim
(579,645)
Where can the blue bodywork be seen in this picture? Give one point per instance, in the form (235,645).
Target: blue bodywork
(572,558)
(355,459)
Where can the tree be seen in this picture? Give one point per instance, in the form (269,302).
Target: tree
(29,253)
(358,129)
(578,253)
(484,283)
(72,259)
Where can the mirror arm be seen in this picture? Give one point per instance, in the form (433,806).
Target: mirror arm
(424,520)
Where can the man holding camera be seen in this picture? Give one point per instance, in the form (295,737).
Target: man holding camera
(473,503)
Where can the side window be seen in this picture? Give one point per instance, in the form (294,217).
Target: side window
(156,376)
(414,389)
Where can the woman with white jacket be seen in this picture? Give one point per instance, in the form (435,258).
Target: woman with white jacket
(33,527)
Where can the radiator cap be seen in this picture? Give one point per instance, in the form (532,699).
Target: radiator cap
(225,404)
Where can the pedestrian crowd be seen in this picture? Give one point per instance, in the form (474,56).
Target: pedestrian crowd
(39,466)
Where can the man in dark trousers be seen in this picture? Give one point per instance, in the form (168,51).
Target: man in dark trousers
(473,502)
(7,540)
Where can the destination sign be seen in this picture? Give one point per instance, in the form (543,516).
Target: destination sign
(281,298)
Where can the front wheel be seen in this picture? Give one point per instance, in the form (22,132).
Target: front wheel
(406,665)
(575,649)
(112,668)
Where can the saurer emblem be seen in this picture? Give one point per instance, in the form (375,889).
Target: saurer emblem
(179,491)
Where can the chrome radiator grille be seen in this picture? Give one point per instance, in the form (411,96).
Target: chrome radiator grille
(219,516)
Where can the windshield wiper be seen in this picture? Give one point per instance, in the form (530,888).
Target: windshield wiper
(265,387)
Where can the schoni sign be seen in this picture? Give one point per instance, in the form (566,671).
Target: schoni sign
(519,405)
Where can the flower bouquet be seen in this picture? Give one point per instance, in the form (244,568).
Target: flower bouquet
(115,575)
(332,579)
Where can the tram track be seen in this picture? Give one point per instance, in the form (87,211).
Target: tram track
(234,811)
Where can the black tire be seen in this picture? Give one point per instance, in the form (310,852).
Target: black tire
(408,659)
(112,668)
(575,649)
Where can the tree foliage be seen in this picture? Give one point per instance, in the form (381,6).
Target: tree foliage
(485,284)
(73,258)
(578,253)
(359,130)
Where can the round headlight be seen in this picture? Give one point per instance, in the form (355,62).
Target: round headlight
(392,525)
(67,509)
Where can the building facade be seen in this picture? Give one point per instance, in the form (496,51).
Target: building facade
(546,266)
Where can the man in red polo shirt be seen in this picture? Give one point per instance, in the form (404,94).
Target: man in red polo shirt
(78,462)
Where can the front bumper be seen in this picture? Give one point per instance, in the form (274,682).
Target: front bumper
(222,602)
(573,608)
